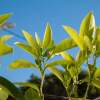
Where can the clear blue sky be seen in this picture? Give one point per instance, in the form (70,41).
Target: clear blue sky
(32,15)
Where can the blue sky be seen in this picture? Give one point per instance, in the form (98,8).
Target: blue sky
(32,16)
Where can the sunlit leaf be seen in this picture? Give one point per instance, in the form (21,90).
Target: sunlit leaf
(4,18)
(31,94)
(47,36)
(58,73)
(38,39)
(3,94)
(28,84)
(74,35)
(21,63)
(97,41)
(27,48)
(96,78)
(88,26)
(5,49)
(60,62)
(32,42)
(67,57)
(11,88)
(64,45)
(5,38)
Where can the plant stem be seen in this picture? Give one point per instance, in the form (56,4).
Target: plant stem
(41,86)
(86,93)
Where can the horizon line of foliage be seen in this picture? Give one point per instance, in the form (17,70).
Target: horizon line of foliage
(87,40)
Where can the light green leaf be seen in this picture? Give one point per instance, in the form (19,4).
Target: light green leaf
(5,38)
(4,18)
(96,78)
(37,39)
(56,72)
(67,57)
(97,41)
(74,35)
(11,88)
(3,94)
(27,48)
(5,49)
(47,36)
(88,26)
(64,45)
(58,62)
(32,42)
(21,63)
(28,84)
(31,94)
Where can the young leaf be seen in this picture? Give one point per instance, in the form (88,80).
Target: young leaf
(74,35)
(67,57)
(37,39)
(5,49)
(88,26)
(21,63)
(31,94)
(47,36)
(4,18)
(5,38)
(27,48)
(28,84)
(58,62)
(11,88)
(32,42)
(3,94)
(97,41)
(96,78)
(65,44)
(56,72)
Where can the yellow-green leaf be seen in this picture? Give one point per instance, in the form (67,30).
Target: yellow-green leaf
(88,26)
(21,63)
(74,35)
(65,44)
(56,72)
(60,62)
(67,57)
(47,36)
(37,39)
(28,84)
(27,48)
(5,49)
(5,38)
(4,18)
(96,78)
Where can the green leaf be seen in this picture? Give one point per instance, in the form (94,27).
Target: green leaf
(27,48)
(67,57)
(32,42)
(3,94)
(64,45)
(97,41)
(31,94)
(57,62)
(96,78)
(88,26)
(21,63)
(47,36)
(38,39)
(11,88)
(5,49)
(28,84)
(4,18)
(74,35)
(5,38)
(56,72)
